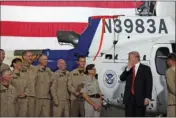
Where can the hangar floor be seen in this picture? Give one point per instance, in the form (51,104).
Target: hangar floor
(116,112)
(112,112)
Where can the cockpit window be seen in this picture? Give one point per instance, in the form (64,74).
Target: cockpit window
(161,60)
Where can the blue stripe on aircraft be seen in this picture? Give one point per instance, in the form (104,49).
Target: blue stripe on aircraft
(69,55)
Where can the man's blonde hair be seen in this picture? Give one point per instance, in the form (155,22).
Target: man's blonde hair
(135,53)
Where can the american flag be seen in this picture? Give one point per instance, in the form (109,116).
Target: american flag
(38,20)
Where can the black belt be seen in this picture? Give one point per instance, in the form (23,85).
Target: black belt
(171,105)
(22,97)
(94,96)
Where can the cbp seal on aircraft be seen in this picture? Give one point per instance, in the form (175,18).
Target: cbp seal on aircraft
(110,78)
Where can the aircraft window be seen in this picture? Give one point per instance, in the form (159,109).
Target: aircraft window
(108,56)
(160,60)
(174,48)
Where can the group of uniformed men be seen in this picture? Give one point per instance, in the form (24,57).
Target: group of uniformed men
(31,91)
(35,91)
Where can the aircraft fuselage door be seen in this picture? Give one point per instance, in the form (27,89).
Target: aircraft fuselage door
(110,70)
(158,63)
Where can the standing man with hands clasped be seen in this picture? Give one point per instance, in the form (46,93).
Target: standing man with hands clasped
(43,83)
(75,84)
(138,89)
(59,91)
(29,71)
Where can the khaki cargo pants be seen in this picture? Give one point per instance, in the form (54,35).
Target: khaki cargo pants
(21,107)
(31,106)
(42,107)
(62,110)
(77,108)
(171,111)
(89,109)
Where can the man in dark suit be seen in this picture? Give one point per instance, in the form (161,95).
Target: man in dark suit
(138,89)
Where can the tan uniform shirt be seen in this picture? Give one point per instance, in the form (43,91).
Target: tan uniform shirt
(20,83)
(8,99)
(59,88)
(75,83)
(29,71)
(43,83)
(91,86)
(171,85)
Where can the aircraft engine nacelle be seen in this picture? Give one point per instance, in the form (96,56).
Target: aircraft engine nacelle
(68,37)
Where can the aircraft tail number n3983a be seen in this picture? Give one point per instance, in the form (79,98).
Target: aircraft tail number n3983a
(136,25)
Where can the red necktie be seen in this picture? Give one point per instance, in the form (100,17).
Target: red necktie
(133,79)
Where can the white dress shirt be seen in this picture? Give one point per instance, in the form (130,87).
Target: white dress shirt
(136,67)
